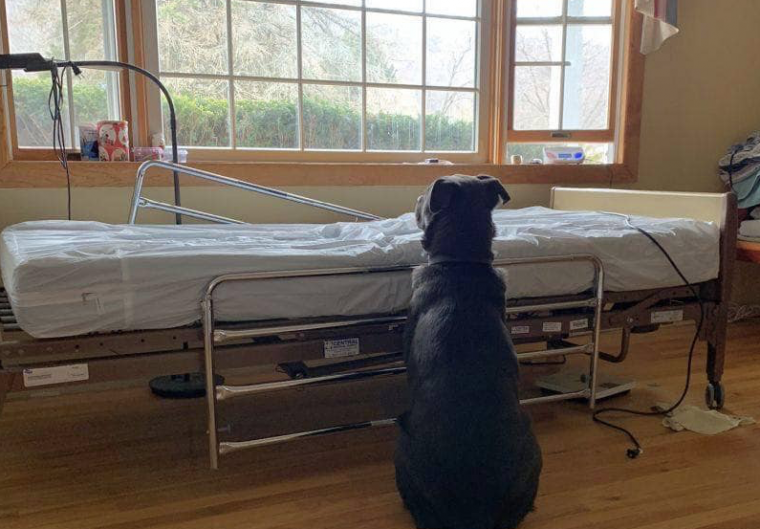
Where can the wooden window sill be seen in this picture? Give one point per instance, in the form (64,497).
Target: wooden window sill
(49,174)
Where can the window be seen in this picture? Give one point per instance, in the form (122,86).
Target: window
(373,79)
(62,29)
(561,74)
(470,81)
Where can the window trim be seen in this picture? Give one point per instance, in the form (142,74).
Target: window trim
(8,106)
(40,173)
(567,135)
(481,89)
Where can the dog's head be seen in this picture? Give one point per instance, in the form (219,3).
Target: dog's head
(455,216)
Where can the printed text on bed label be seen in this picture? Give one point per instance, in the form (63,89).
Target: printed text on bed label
(341,348)
(667,316)
(576,325)
(47,376)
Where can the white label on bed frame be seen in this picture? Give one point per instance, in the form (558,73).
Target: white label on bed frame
(552,326)
(576,325)
(667,316)
(47,376)
(520,329)
(341,348)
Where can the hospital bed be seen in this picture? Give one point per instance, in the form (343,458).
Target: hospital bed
(93,303)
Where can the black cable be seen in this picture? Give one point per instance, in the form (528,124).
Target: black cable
(55,105)
(637,450)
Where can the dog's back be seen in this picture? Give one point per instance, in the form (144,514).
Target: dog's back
(466,456)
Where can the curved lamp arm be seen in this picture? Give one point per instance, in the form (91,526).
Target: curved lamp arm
(115,65)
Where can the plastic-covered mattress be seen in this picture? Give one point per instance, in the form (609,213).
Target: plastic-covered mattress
(68,278)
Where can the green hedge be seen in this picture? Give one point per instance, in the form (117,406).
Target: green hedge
(203,120)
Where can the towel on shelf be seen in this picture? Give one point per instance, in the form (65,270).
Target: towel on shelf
(750,229)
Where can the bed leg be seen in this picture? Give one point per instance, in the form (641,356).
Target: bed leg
(716,356)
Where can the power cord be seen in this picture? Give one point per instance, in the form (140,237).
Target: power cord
(55,105)
(637,450)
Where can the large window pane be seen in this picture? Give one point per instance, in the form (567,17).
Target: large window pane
(192,36)
(25,32)
(537,97)
(332,44)
(264,39)
(91,103)
(450,121)
(202,108)
(30,97)
(394,48)
(462,8)
(266,115)
(95,93)
(589,8)
(587,78)
(332,117)
(451,52)
(538,43)
(86,34)
(539,8)
(393,119)
(396,5)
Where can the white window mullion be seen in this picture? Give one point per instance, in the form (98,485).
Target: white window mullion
(423,112)
(364,79)
(230,79)
(299,59)
(154,121)
(68,80)
(113,99)
(562,66)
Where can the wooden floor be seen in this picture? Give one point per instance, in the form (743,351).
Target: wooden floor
(123,459)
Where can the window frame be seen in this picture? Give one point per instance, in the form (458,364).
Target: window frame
(8,106)
(38,170)
(481,89)
(607,135)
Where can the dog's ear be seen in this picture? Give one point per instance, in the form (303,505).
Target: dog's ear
(441,194)
(495,191)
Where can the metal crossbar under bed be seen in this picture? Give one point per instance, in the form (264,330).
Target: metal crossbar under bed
(140,354)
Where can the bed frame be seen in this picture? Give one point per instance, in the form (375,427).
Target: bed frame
(555,322)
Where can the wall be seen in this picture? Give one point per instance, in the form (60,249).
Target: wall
(702,93)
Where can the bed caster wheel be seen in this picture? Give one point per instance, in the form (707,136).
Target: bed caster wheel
(715,396)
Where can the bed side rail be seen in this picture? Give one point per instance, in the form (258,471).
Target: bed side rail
(138,201)
(212,337)
(709,207)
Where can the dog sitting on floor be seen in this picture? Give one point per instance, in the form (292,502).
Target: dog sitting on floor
(466,456)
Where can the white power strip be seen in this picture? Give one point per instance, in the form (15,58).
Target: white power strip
(570,381)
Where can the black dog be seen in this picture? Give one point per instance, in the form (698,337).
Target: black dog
(466,456)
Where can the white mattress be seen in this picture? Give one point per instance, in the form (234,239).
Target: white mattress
(67,278)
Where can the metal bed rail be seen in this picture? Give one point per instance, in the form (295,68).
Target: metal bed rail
(218,393)
(138,201)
